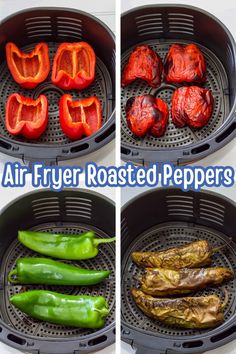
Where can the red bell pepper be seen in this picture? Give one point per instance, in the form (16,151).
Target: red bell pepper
(184,64)
(81,117)
(25,116)
(28,69)
(74,66)
(192,106)
(144,64)
(147,114)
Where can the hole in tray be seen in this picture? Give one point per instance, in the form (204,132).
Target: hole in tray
(125,151)
(226,133)
(199,149)
(16,339)
(223,335)
(105,134)
(97,340)
(196,343)
(79,148)
(5,145)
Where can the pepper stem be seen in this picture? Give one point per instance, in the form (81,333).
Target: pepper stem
(217,249)
(12,276)
(103,312)
(97,241)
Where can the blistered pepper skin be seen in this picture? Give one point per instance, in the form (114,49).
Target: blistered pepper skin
(73,247)
(147,114)
(145,64)
(184,64)
(47,271)
(192,106)
(192,255)
(188,312)
(67,310)
(168,282)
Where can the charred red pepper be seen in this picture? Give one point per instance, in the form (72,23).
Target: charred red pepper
(74,66)
(28,69)
(25,116)
(147,114)
(143,64)
(192,106)
(81,117)
(185,64)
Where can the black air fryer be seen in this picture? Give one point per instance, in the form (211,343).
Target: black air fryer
(164,218)
(69,212)
(160,26)
(54,26)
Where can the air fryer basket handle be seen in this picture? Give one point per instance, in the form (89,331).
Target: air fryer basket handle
(145,350)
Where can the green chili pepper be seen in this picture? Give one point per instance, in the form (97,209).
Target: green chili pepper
(68,310)
(48,271)
(74,247)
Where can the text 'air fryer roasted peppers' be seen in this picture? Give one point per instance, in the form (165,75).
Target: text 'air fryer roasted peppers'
(184,64)
(144,64)
(147,114)
(47,271)
(74,247)
(68,310)
(192,106)
(192,255)
(81,117)
(165,282)
(74,66)
(28,69)
(186,312)
(25,116)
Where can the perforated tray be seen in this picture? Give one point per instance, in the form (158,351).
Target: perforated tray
(101,87)
(166,236)
(175,138)
(29,326)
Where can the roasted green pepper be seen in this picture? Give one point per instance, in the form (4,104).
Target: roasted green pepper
(164,282)
(186,312)
(47,271)
(68,310)
(192,255)
(74,247)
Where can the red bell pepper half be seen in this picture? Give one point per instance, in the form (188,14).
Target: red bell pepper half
(81,117)
(74,66)
(25,116)
(145,64)
(28,69)
(192,106)
(184,64)
(147,114)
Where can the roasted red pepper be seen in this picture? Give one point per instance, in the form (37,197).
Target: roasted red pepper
(147,114)
(79,118)
(25,116)
(184,64)
(192,106)
(74,66)
(28,69)
(143,64)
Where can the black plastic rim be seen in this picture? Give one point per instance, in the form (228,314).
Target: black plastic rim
(144,155)
(51,153)
(73,343)
(180,341)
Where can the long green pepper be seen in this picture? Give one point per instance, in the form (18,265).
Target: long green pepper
(47,271)
(68,310)
(73,247)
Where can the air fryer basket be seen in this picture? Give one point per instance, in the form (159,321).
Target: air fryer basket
(160,26)
(164,218)
(67,212)
(55,25)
